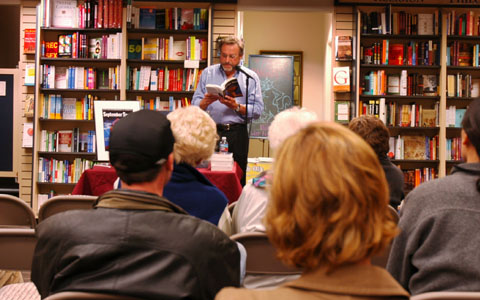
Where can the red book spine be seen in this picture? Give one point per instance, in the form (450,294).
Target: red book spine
(119,14)
(114,14)
(105,13)
(100,14)
(110,14)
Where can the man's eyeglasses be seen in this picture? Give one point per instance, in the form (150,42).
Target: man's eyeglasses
(232,56)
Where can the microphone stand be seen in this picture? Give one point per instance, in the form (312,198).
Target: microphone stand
(240,69)
(248,76)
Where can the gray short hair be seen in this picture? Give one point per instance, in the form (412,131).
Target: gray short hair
(230,40)
(287,123)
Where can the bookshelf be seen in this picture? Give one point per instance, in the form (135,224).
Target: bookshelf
(400,71)
(172,52)
(447,38)
(98,68)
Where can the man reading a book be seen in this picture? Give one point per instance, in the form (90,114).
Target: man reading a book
(230,113)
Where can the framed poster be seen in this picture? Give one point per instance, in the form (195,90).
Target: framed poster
(276,73)
(107,113)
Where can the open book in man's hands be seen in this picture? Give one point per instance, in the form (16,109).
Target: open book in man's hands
(229,87)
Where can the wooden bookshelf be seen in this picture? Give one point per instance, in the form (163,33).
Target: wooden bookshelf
(120,92)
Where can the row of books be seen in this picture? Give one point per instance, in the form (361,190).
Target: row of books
(162,79)
(463,23)
(78,45)
(413,178)
(463,54)
(403,115)
(413,53)
(56,77)
(380,83)
(463,85)
(57,107)
(401,22)
(72,140)
(62,171)
(161,105)
(454,149)
(89,14)
(175,18)
(454,116)
(192,48)
(414,147)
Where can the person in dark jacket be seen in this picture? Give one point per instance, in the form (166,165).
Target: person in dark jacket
(195,135)
(135,242)
(375,133)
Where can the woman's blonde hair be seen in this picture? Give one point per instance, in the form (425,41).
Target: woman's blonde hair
(329,199)
(195,135)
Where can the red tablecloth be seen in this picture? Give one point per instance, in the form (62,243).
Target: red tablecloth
(100,179)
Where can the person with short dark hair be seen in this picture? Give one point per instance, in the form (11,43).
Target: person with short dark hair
(376,134)
(135,242)
(230,113)
(437,247)
(329,217)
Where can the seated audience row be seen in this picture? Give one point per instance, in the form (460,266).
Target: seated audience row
(327,216)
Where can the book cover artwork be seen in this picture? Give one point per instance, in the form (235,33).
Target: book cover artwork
(229,87)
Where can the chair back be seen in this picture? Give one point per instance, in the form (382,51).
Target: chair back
(261,255)
(14,212)
(17,247)
(63,203)
(71,295)
(447,296)
(381,259)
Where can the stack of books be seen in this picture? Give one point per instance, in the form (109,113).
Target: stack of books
(221,162)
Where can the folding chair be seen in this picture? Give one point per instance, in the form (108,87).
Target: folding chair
(63,203)
(14,212)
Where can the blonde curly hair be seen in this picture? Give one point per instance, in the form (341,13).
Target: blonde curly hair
(195,135)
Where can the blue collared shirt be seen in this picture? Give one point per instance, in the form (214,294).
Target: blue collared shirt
(219,112)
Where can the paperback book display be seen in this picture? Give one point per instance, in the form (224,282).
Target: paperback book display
(401,115)
(175,18)
(78,45)
(406,84)
(60,108)
(191,48)
(343,48)
(83,78)
(401,22)
(161,105)
(414,147)
(413,53)
(162,79)
(81,14)
(72,140)
(413,178)
(62,171)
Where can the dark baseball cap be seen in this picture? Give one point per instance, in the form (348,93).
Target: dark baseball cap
(140,141)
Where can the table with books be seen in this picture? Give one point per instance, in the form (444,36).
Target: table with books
(100,179)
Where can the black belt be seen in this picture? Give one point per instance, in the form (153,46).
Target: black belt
(229,127)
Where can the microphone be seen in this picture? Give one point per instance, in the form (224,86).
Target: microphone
(240,69)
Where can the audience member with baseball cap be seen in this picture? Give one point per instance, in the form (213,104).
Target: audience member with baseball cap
(135,242)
